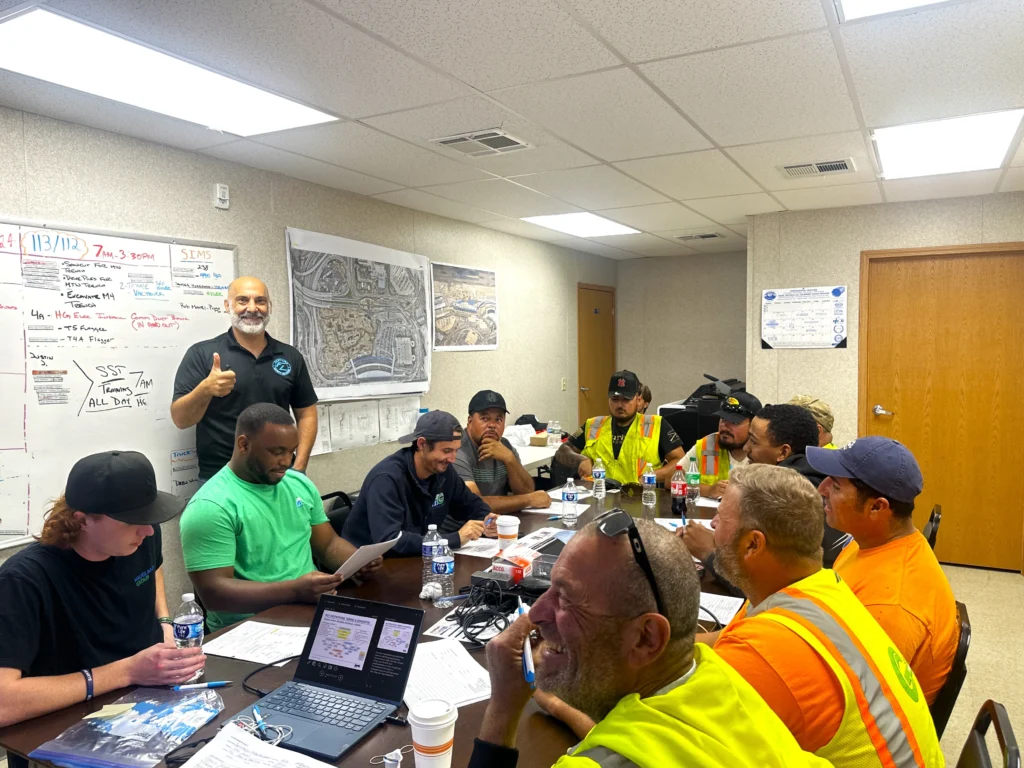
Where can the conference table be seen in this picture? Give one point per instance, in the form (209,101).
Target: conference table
(541,739)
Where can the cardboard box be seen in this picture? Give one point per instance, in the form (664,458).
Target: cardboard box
(516,572)
(516,562)
(539,441)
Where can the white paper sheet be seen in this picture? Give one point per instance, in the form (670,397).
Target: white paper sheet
(704,501)
(581,493)
(234,748)
(444,669)
(673,523)
(482,547)
(322,444)
(397,416)
(724,607)
(364,555)
(354,424)
(555,509)
(258,642)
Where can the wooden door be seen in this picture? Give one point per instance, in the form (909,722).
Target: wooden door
(595,334)
(941,350)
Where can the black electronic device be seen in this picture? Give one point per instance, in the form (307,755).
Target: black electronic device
(694,417)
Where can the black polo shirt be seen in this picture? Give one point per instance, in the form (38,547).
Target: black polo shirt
(279,375)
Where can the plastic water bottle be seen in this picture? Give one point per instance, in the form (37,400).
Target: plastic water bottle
(692,486)
(679,486)
(650,484)
(569,496)
(554,434)
(444,574)
(599,474)
(431,542)
(188,626)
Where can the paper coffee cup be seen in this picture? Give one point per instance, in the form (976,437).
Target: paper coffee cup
(508,531)
(433,732)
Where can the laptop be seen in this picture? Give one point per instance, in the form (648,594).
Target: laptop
(351,675)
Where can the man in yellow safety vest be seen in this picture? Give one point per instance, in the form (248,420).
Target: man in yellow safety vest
(721,452)
(626,440)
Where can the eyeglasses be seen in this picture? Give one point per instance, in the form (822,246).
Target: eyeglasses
(616,521)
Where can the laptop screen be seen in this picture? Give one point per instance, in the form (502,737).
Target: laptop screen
(361,647)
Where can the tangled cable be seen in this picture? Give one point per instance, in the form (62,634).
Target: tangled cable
(484,611)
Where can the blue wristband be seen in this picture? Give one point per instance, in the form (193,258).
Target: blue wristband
(87,674)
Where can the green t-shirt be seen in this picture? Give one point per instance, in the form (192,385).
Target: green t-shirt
(261,530)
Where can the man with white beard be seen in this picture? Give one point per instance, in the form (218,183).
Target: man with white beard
(221,377)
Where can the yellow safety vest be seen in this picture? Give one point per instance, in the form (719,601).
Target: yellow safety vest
(886,722)
(638,447)
(831,446)
(713,719)
(714,461)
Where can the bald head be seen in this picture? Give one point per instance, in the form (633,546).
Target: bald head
(248,302)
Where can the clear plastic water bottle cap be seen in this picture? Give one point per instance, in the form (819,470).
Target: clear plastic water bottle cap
(188,597)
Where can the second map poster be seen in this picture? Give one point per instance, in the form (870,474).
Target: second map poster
(465,308)
(360,316)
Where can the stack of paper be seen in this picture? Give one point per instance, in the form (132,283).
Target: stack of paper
(724,607)
(444,669)
(235,748)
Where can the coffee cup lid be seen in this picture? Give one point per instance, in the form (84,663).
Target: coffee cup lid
(508,520)
(432,713)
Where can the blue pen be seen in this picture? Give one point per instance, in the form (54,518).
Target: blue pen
(196,686)
(528,671)
(260,725)
(555,517)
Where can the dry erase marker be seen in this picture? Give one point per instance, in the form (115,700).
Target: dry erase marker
(195,686)
(528,671)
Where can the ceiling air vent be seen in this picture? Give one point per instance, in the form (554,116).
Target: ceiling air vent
(481,143)
(823,168)
(700,236)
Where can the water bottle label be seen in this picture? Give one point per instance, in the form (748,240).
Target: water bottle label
(444,567)
(429,550)
(598,474)
(650,480)
(569,497)
(188,631)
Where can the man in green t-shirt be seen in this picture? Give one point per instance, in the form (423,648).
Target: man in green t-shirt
(249,534)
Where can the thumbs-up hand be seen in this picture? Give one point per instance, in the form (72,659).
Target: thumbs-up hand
(219,383)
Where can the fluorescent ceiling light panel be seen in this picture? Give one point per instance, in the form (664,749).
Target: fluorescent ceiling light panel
(581,225)
(973,143)
(50,47)
(858,9)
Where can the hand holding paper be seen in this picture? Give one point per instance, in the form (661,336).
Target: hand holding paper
(365,556)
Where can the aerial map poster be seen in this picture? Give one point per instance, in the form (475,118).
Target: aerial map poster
(465,308)
(360,316)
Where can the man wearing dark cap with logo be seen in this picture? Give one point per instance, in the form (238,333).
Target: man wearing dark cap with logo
(83,608)
(869,493)
(721,452)
(418,486)
(624,441)
(488,463)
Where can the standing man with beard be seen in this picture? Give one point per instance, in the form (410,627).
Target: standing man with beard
(249,535)
(221,377)
(721,452)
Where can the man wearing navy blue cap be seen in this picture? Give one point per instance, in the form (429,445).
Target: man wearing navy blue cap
(869,493)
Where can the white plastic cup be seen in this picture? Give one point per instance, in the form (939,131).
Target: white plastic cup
(433,732)
(508,531)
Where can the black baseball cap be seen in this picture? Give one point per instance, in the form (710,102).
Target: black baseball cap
(882,463)
(486,399)
(120,485)
(623,384)
(434,425)
(738,407)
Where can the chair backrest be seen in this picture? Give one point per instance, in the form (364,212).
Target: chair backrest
(943,705)
(931,528)
(975,752)
(337,506)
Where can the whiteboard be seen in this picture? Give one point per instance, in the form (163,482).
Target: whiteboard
(92,328)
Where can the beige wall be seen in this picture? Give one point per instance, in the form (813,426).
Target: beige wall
(808,248)
(679,317)
(58,172)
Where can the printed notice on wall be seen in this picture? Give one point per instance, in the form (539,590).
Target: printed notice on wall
(803,318)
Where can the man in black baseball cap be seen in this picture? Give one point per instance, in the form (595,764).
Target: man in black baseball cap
(626,441)
(418,486)
(85,600)
(721,452)
(489,464)
(869,493)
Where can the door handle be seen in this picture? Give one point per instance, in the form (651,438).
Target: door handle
(880,411)
(584,389)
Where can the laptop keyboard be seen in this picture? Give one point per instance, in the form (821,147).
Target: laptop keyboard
(324,706)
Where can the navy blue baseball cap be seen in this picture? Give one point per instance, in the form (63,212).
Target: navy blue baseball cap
(881,463)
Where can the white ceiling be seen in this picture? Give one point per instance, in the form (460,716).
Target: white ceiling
(669,116)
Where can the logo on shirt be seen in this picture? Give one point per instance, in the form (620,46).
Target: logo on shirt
(439,500)
(143,577)
(298,503)
(282,366)
(904,673)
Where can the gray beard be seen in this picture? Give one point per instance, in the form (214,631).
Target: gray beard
(727,563)
(588,684)
(247,326)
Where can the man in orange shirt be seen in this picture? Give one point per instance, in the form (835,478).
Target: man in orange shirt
(804,641)
(870,494)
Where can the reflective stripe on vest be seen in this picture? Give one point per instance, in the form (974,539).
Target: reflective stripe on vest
(647,425)
(595,427)
(606,758)
(899,746)
(709,451)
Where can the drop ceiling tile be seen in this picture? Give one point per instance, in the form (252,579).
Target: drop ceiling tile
(761,160)
(486,43)
(761,92)
(1013,181)
(830,197)
(954,60)
(477,114)
(730,243)
(949,185)
(639,243)
(597,186)
(279,161)
(669,249)
(366,150)
(423,201)
(651,29)
(654,217)
(292,48)
(599,112)
(599,249)
(739,229)
(524,229)
(695,174)
(734,209)
(503,197)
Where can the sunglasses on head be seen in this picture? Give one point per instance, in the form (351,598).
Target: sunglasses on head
(616,521)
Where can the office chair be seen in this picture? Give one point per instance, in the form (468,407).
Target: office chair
(975,752)
(337,507)
(931,528)
(943,705)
